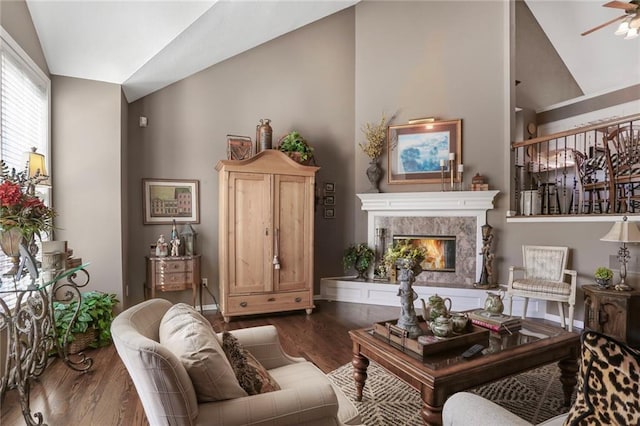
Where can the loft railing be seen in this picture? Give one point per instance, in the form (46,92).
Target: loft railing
(588,170)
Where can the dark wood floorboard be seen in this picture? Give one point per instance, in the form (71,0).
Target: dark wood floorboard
(106,395)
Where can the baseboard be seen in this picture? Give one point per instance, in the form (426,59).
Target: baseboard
(343,289)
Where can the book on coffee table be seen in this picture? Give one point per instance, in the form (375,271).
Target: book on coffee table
(499,323)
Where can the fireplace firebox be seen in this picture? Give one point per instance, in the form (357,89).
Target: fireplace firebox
(441,251)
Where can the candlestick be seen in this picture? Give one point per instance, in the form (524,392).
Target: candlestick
(441,162)
(452,156)
(451,171)
(460,170)
(442,173)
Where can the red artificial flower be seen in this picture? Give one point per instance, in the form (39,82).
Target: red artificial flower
(32,202)
(10,194)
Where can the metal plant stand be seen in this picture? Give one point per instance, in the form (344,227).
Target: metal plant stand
(408,319)
(31,330)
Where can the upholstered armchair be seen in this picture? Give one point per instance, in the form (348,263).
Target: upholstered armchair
(168,390)
(542,276)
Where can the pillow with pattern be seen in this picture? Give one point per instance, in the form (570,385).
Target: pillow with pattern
(608,383)
(251,375)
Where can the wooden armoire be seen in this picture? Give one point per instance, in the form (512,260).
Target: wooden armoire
(265,234)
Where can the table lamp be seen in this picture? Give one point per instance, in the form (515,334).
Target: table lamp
(623,232)
(36,170)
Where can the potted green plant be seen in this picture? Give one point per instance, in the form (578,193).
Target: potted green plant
(92,327)
(360,257)
(603,276)
(403,250)
(296,147)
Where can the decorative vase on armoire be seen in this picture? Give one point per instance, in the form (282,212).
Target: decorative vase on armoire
(374,174)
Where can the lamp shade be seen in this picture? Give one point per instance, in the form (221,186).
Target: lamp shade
(623,232)
(36,164)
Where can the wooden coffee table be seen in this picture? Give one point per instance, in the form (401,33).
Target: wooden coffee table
(442,374)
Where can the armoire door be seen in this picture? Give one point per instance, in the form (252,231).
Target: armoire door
(250,233)
(293,210)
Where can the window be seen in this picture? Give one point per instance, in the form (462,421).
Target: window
(24,113)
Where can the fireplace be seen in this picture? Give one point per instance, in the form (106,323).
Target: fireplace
(455,214)
(441,251)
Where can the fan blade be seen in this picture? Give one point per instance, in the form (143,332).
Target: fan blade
(621,5)
(603,25)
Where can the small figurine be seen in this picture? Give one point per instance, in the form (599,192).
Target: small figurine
(175,244)
(162,248)
(174,231)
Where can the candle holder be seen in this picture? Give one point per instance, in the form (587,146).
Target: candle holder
(442,175)
(451,164)
(460,180)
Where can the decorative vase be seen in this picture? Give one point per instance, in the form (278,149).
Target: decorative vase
(603,283)
(408,320)
(362,273)
(10,243)
(374,174)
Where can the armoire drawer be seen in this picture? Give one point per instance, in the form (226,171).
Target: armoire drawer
(268,302)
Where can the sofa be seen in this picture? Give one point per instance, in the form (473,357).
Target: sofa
(171,393)
(607,393)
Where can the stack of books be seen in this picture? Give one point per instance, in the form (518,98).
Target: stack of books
(498,323)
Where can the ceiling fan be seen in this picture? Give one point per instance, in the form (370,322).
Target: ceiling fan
(630,20)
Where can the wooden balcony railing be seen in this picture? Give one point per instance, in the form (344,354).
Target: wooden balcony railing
(587,170)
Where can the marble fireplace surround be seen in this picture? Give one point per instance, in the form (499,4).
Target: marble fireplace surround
(460,213)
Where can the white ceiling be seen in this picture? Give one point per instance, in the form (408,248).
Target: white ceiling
(147,45)
(599,62)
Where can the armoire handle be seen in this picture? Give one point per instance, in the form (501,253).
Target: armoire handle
(276,249)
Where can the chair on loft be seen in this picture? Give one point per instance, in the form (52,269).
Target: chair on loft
(596,191)
(543,277)
(622,150)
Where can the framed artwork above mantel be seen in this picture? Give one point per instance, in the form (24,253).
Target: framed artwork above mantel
(417,151)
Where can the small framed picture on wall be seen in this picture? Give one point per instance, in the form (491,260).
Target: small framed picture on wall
(329,188)
(329,213)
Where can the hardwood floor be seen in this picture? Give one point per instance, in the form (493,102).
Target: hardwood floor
(106,395)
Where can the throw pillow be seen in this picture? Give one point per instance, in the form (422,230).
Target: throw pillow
(251,375)
(608,383)
(190,337)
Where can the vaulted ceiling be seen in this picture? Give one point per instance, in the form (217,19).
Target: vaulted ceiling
(147,45)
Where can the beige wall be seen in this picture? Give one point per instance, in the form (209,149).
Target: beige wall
(87,145)
(301,81)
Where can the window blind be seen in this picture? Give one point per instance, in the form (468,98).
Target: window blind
(24,114)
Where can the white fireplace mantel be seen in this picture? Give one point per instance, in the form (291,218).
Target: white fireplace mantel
(434,204)
(447,201)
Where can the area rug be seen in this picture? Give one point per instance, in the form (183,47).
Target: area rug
(535,395)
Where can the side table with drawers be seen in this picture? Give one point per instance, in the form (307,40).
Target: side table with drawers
(170,273)
(614,313)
